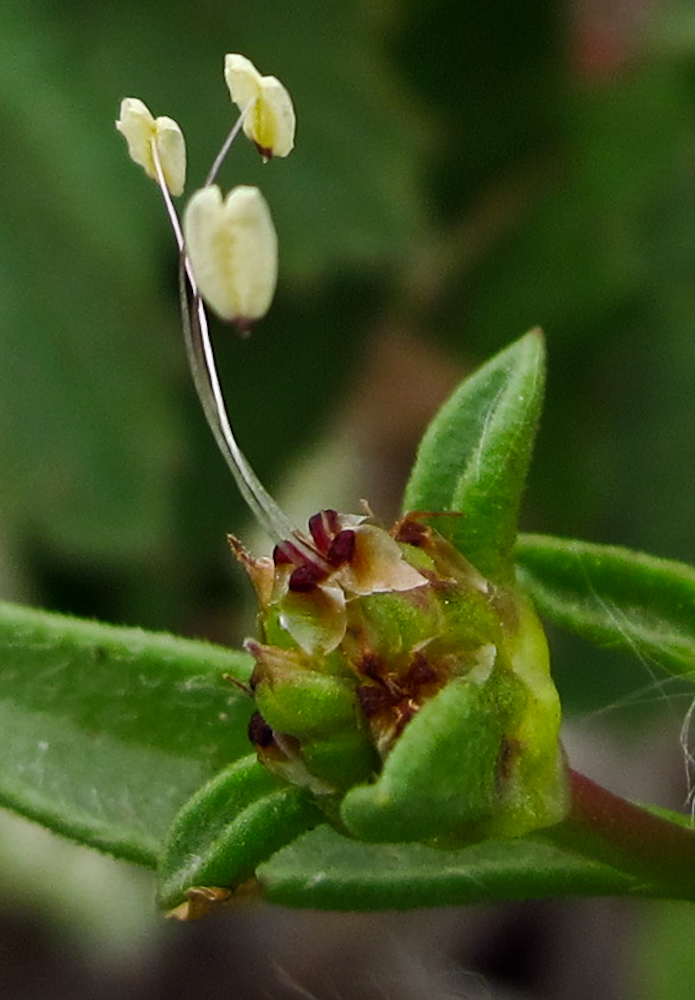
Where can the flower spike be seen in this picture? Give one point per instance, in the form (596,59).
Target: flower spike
(142,131)
(269,119)
(405,688)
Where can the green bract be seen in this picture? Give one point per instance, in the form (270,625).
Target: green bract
(475,455)
(434,711)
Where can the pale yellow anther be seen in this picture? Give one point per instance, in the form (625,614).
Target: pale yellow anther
(141,130)
(232,249)
(269,120)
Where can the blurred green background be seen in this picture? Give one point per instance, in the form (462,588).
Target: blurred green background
(463,171)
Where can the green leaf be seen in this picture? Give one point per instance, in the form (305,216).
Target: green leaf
(107,731)
(327,871)
(613,596)
(234,822)
(475,455)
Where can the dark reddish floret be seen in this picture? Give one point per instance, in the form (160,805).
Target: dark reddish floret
(332,519)
(287,554)
(260,733)
(323,526)
(319,531)
(412,532)
(342,548)
(373,699)
(305,578)
(420,672)
(371,666)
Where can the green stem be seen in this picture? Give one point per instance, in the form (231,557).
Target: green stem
(611,830)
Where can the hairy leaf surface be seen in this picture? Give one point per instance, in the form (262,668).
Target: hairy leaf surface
(324,870)
(613,596)
(107,731)
(475,454)
(234,822)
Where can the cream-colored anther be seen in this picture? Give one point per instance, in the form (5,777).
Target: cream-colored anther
(140,129)
(269,119)
(232,249)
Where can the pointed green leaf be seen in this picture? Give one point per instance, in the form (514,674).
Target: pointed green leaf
(475,455)
(327,871)
(229,826)
(613,596)
(107,731)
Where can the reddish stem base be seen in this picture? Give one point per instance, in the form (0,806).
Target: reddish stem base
(611,830)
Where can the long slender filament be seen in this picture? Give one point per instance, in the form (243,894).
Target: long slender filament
(227,144)
(201,360)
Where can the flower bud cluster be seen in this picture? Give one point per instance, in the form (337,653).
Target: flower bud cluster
(360,642)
